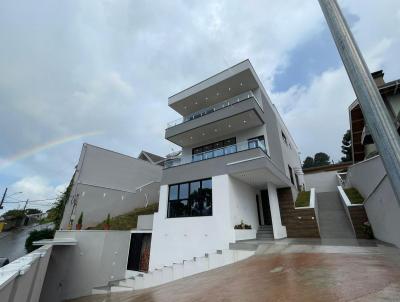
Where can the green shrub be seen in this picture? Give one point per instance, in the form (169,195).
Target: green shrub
(303,199)
(354,196)
(36,235)
(126,221)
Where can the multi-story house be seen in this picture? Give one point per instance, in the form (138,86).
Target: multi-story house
(363,145)
(236,153)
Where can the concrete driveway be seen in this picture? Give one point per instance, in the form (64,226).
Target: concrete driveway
(286,273)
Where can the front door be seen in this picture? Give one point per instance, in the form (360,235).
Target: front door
(266,211)
(139,252)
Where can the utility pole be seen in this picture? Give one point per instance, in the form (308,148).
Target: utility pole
(4,197)
(26,203)
(377,118)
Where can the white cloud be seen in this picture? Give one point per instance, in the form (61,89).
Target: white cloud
(317,115)
(36,189)
(78,66)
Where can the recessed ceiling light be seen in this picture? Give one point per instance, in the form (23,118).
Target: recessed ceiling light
(244,121)
(229,88)
(217,93)
(203,134)
(241,84)
(191,137)
(229,126)
(215,130)
(195,103)
(185,107)
(206,98)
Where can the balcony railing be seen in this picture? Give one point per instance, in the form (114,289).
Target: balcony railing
(252,144)
(229,102)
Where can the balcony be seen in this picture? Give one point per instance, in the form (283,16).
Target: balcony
(230,116)
(182,160)
(226,103)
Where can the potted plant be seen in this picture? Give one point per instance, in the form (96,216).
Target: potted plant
(79,224)
(107,223)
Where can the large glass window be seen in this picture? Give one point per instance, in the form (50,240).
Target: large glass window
(190,199)
(216,149)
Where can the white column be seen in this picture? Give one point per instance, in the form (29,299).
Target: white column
(279,229)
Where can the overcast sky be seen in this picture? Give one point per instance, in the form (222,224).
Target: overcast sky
(101,72)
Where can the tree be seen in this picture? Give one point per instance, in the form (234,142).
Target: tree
(321,159)
(308,162)
(37,235)
(346,147)
(55,214)
(14,214)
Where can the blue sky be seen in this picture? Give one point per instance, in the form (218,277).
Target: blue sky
(78,67)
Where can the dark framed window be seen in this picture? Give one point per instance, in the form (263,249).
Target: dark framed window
(297,182)
(291,174)
(216,149)
(190,199)
(284,138)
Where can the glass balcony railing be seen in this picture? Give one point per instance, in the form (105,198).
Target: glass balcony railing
(252,144)
(229,102)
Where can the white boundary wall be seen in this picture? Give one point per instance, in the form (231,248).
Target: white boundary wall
(22,279)
(322,181)
(98,258)
(369,178)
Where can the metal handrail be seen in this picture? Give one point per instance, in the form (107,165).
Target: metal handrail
(247,145)
(204,111)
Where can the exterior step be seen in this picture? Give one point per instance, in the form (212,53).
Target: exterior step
(176,271)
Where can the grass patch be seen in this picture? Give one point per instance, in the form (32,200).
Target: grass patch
(354,196)
(303,199)
(127,221)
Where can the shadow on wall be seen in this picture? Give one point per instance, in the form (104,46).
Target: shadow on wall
(383,210)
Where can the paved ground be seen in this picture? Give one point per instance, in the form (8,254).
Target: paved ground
(12,243)
(286,272)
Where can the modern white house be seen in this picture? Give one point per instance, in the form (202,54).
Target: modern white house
(236,153)
(107,182)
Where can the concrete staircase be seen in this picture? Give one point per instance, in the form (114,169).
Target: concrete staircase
(333,221)
(265,232)
(175,271)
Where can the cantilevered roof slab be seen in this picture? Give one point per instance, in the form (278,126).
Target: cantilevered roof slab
(224,85)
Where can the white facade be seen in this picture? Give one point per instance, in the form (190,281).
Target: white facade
(245,177)
(178,239)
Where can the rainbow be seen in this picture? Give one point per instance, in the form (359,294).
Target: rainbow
(5,162)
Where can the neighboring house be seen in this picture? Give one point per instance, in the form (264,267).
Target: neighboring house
(107,182)
(368,174)
(236,153)
(363,146)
